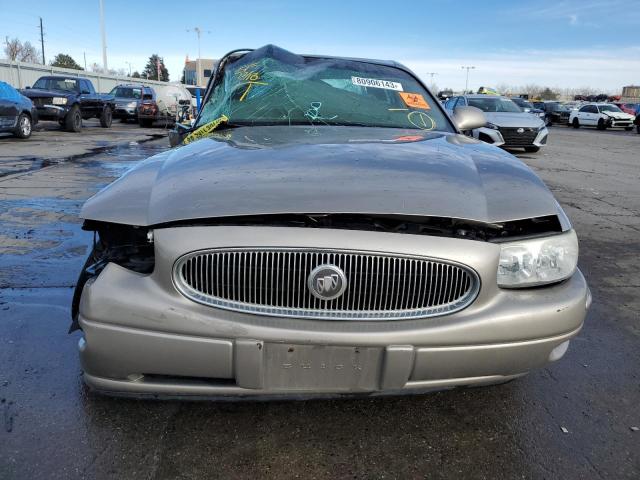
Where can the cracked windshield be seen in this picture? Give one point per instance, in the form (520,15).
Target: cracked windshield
(273,87)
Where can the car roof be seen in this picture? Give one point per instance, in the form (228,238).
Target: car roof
(484,95)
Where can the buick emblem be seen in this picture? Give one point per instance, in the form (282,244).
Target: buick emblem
(327,282)
(520,130)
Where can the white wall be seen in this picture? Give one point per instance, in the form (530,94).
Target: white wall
(21,75)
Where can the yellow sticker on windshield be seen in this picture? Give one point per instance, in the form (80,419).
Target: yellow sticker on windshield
(204,130)
(414,100)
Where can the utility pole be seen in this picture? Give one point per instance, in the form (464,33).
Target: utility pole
(466,85)
(84,54)
(158,67)
(104,38)
(129,63)
(42,41)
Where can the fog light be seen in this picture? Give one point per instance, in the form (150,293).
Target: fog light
(558,352)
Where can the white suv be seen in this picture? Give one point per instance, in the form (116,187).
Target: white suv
(602,116)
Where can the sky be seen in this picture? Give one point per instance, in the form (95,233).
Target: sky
(556,43)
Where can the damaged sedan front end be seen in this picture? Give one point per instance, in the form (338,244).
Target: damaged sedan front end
(324,229)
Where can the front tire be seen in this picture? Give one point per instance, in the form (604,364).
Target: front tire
(106,117)
(602,125)
(23,126)
(146,123)
(73,120)
(628,129)
(575,123)
(532,149)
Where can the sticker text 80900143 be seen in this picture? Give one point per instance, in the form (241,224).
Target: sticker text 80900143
(375,83)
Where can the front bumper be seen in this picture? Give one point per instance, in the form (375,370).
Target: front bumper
(125,112)
(141,337)
(625,123)
(52,112)
(495,137)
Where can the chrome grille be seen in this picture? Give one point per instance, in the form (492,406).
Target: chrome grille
(42,101)
(274,282)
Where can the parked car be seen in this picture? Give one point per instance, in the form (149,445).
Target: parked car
(555,112)
(507,126)
(127,100)
(18,115)
(527,107)
(164,105)
(68,100)
(601,116)
(629,108)
(324,228)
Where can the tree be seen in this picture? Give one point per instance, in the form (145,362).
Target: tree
(29,53)
(136,74)
(12,49)
(151,69)
(548,94)
(23,52)
(65,61)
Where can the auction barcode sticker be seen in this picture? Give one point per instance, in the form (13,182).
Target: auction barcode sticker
(375,83)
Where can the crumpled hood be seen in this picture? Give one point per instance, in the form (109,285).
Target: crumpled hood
(620,115)
(514,119)
(272,170)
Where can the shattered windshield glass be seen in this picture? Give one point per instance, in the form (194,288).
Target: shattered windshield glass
(271,86)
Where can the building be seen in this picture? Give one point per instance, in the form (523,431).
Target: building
(630,94)
(191,74)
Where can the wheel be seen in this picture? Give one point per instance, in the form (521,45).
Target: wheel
(638,129)
(124,120)
(532,149)
(73,120)
(549,121)
(575,123)
(628,129)
(106,117)
(602,125)
(23,126)
(146,123)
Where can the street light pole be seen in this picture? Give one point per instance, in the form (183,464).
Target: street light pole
(104,37)
(431,74)
(466,85)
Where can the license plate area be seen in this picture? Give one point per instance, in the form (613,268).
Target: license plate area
(321,367)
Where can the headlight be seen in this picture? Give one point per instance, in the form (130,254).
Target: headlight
(59,101)
(541,114)
(492,126)
(538,261)
(132,104)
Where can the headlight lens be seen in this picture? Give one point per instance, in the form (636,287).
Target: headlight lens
(131,104)
(538,261)
(59,101)
(491,125)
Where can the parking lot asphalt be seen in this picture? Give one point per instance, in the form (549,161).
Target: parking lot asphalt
(49,144)
(574,419)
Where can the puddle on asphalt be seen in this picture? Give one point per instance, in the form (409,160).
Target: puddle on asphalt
(41,240)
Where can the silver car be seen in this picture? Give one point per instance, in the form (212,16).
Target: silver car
(324,228)
(507,125)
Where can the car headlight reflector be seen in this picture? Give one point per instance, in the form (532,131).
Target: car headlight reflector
(492,126)
(59,101)
(538,261)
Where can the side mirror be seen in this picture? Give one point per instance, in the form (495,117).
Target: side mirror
(527,109)
(85,92)
(177,134)
(28,87)
(468,118)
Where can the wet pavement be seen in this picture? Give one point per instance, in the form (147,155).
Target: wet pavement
(52,427)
